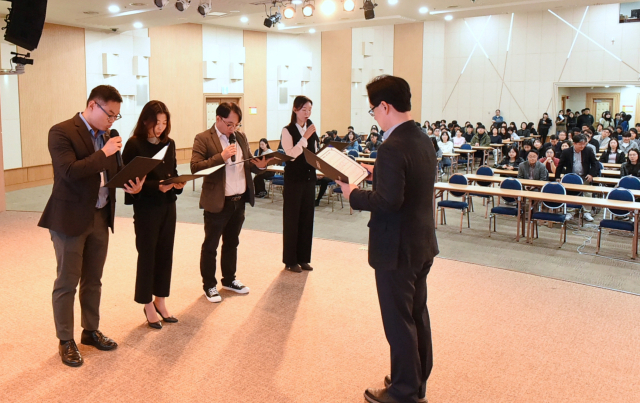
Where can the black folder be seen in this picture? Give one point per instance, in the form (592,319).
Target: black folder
(138,168)
(339,145)
(190,177)
(276,157)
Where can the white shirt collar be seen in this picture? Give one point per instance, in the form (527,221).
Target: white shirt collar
(388,132)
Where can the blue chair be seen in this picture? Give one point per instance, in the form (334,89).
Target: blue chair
(464,160)
(485,171)
(353,153)
(629,182)
(553,188)
(462,205)
(373,154)
(509,184)
(574,179)
(621,194)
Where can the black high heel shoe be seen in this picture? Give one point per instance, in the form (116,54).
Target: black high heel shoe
(155,325)
(170,319)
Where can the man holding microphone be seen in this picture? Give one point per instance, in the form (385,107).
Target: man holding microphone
(402,238)
(79,214)
(224,194)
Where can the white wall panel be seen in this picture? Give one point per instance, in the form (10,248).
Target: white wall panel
(225,47)
(11,140)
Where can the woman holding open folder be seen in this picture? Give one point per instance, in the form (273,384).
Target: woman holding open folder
(154,212)
(299,187)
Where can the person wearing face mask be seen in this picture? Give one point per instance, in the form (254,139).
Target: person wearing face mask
(154,212)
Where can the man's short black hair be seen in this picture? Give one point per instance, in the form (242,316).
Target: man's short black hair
(350,127)
(392,90)
(553,137)
(224,109)
(626,134)
(104,93)
(578,138)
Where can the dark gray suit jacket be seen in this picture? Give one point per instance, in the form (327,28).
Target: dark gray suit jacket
(401,229)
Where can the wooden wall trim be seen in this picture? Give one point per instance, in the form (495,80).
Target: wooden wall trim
(336,80)
(407,61)
(27,177)
(255,85)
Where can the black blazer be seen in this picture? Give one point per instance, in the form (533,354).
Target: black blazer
(401,229)
(620,157)
(76,179)
(590,164)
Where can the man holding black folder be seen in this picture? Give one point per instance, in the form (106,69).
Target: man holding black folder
(402,238)
(79,214)
(224,194)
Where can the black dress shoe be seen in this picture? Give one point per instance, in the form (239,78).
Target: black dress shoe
(422,393)
(70,354)
(317,203)
(170,319)
(378,396)
(295,268)
(154,325)
(98,340)
(305,266)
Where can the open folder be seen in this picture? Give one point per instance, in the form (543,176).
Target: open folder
(139,167)
(336,165)
(186,178)
(339,145)
(274,157)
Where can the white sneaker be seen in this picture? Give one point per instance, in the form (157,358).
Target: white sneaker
(238,287)
(568,217)
(212,295)
(588,217)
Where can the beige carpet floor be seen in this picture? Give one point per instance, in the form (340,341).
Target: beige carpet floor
(499,336)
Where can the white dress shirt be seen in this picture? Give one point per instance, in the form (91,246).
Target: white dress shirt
(294,150)
(236,181)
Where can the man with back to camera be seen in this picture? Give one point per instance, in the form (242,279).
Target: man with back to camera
(402,238)
(224,195)
(79,214)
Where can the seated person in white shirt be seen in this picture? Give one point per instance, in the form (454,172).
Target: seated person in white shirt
(446,146)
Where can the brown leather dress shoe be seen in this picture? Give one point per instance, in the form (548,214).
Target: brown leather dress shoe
(70,354)
(295,268)
(372,395)
(422,394)
(306,266)
(97,340)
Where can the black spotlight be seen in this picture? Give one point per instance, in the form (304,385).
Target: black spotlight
(368,7)
(268,22)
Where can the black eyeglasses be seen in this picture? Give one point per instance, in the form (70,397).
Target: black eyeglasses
(111,118)
(371,110)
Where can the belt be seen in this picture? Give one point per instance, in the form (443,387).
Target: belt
(234,197)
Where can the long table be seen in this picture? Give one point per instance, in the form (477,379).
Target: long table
(610,173)
(523,195)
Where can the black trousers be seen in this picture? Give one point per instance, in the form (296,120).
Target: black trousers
(297,220)
(324,184)
(155,227)
(226,224)
(258,181)
(402,295)
(543,135)
(81,260)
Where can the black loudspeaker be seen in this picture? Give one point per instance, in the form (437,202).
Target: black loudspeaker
(25,23)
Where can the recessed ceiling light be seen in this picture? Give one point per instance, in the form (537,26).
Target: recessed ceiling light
(217,14)
(296,1)
(607,86)
(312,30)
(234,11)
(423,10)
(448,17)
(137,4)
(393,2)
(244,19)
(114,9)
(90,12)
(328,7)
(137,25)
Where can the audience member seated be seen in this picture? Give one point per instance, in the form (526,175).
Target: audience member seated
(532,168)
(459,140)
(469,134)
(446,147)
(527,146)
(627,144)
(537,147)
(354,142)
(604,137)
(532,129)
(553,145)
(350,129)
(523,132)
(606,120)
(511,161)
(481,139)
(612,154)
(579,159)
(631,167)
(562,136)
(372,145)
(550,161)
(258,180)
(566,145)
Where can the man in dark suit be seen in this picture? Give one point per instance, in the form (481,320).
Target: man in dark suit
(402,238)
(79,214)
(224,194)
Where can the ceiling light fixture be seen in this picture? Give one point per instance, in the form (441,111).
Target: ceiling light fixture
(281,25)
(114,8)
(296,1)
(137,25)
(368,6)
(204,8)
(289,12)
(448,17)
(393,2)
(160,3)
(244,19)
(308,8)
(272,20)
(312,30)
(328,7)
(423,10)
(348,5)
(182,5)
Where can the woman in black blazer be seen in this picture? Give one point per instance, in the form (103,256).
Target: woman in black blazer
(154,212)
(612,148)
(299,187)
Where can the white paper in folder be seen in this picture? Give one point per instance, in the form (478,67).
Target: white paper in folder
(343,163)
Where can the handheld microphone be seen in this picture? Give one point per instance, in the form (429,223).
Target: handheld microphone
(114,133)
(232,140)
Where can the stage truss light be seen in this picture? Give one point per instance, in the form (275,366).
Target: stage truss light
(308,9)
(289,12)
(182,5)
(348,5)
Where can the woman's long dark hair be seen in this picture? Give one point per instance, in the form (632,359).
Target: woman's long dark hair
(263,140)
(149,118)
(298,103)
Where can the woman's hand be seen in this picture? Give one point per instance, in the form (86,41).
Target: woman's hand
(165,188)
